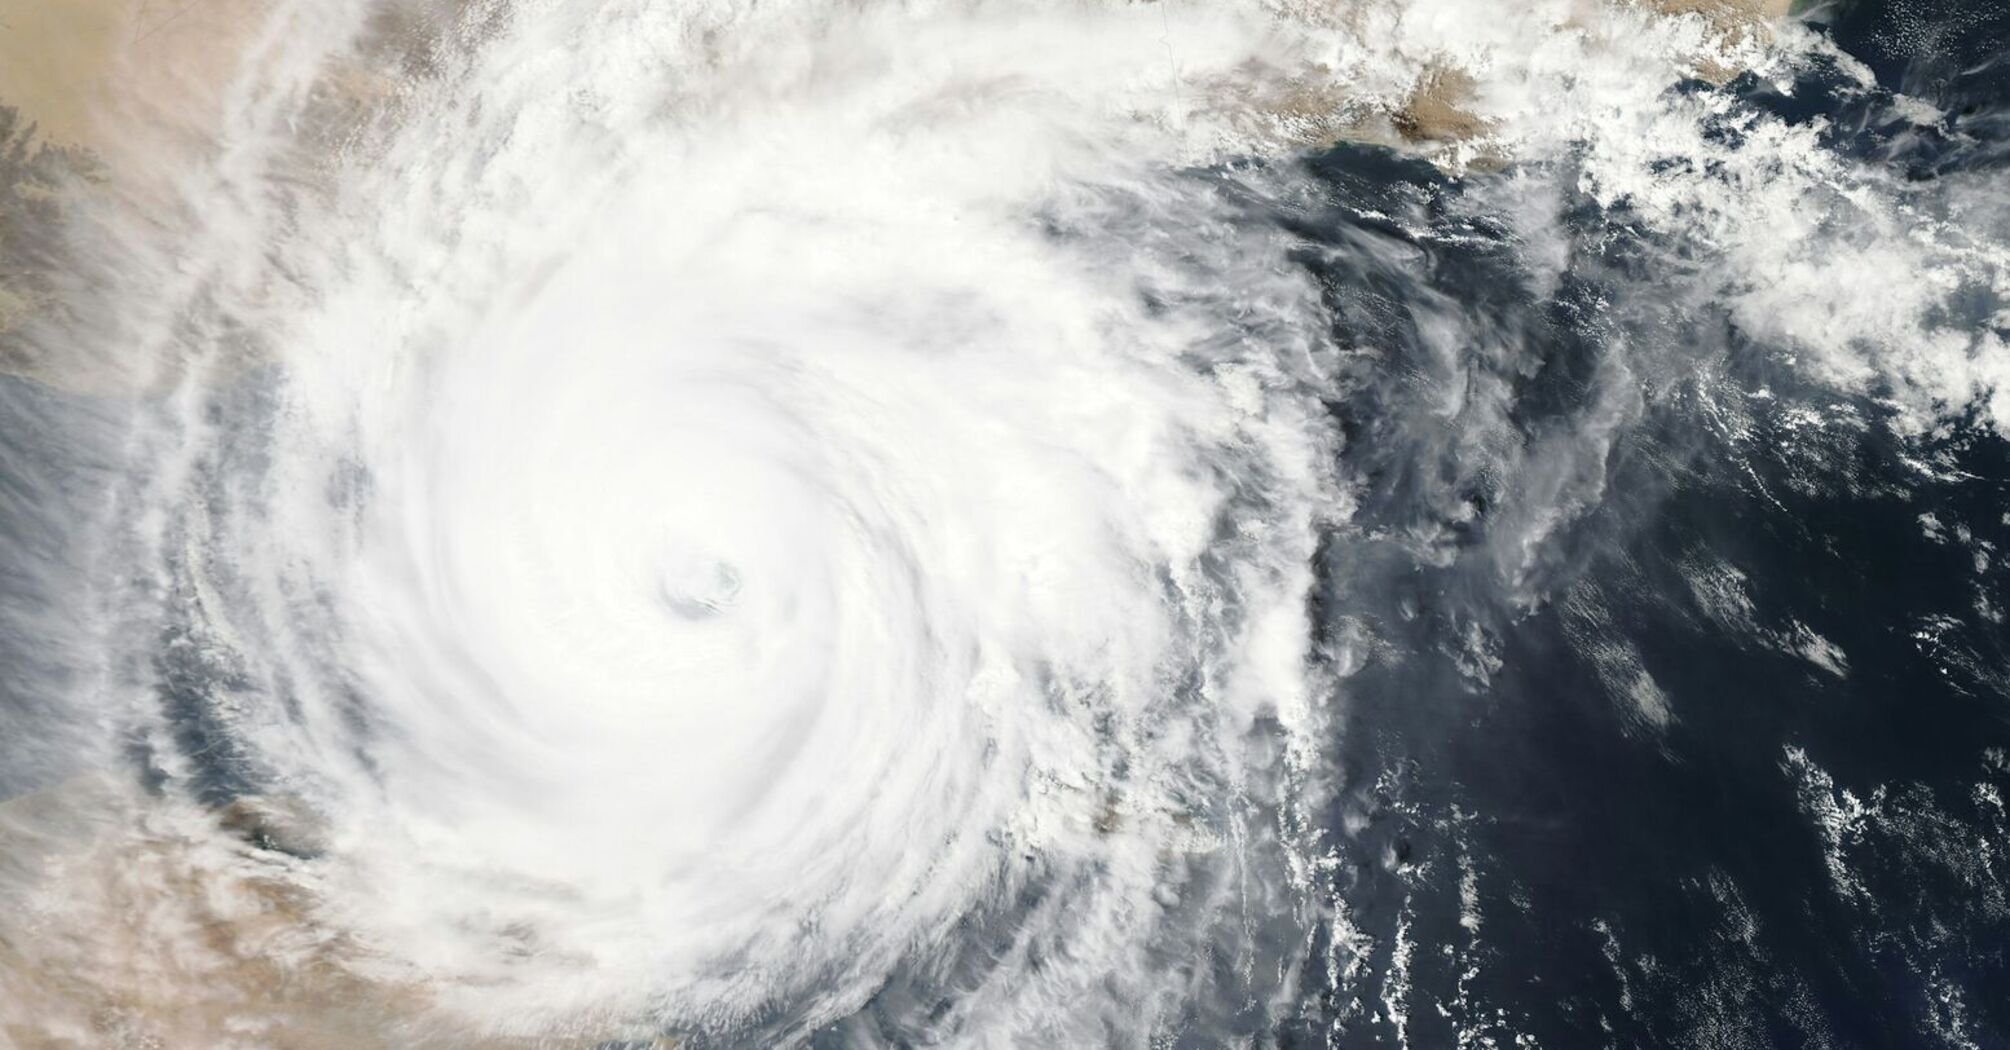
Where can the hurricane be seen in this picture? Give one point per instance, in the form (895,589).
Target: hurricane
(1003,523)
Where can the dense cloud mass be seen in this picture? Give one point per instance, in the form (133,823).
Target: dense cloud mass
(968,523)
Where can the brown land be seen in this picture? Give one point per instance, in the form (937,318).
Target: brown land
(107,107)
(86,72)
(103,104)
(141,924)
(1727,11)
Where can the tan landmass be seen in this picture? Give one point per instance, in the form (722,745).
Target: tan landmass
(107,102)
(1441,116)
(134,924)
(54,59)
(1734,20)
(91,72)
(1436,111)
(110,110)
(1727,12)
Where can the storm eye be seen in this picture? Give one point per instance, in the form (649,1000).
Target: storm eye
(698,586)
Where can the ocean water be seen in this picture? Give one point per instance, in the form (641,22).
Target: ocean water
(1735,779)
(982,524)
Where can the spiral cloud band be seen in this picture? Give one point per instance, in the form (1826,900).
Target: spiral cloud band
(691,593)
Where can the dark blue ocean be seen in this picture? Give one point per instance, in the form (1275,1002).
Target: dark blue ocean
(1812,849)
